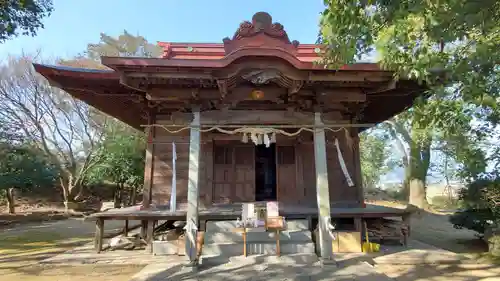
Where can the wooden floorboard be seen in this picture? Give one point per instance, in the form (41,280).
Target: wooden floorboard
(233,211)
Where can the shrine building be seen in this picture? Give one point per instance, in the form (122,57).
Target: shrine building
(255,118)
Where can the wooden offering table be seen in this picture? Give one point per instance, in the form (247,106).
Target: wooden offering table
(243,231)
(276,224)
(272,224)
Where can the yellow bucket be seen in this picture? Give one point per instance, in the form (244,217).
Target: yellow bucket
(369,247)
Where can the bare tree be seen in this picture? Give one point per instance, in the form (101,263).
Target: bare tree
(59,125)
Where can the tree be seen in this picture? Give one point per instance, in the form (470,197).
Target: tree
(375,158)
(57,124)
(22,16)
(24,168)
(125,45)
(416,135)
(421,40)
(122,152)
(122,160)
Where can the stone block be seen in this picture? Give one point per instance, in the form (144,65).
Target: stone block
(236,249)
(223,226)
(298,236)
(161,248)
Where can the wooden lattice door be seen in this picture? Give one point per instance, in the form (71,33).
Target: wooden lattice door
(223,174)
(234,173)
(244,173)
(286,175)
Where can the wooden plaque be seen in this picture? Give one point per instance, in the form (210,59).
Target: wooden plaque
(275,222)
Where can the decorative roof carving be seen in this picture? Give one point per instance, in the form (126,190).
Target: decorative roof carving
(261,24)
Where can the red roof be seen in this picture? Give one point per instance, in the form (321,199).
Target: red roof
(255,45)
(214,51)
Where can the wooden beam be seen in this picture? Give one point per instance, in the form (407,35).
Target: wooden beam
(165,94)
(171,74)
(322,189)
(341,95)
(249,117)
(350,76)
(390,85)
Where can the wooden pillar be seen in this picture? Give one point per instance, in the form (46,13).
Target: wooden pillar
(322,189)
(148,169)
(358,176)
(144,226)
(99,233)
(193,189)
(125,229)
(150,236)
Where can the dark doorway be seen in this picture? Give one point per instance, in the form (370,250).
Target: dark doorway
(265,173)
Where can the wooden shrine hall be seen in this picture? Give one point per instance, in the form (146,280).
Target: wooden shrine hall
(254,118)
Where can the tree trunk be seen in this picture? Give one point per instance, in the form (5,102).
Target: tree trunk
(66,188)
(80,194)
(416,174)
(11,201)
(417,195)
(117,196)
(494,246)
(120,196)
(133,197)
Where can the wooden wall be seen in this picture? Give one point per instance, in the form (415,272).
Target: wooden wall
(161,185)
(223,182)
(340,193)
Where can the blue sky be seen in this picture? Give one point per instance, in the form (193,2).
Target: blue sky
(75,23)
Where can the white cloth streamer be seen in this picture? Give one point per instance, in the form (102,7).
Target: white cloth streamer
(342,164)
(173,195)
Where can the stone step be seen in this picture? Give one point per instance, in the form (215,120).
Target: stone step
(223,226)
(298,236)
(236,249)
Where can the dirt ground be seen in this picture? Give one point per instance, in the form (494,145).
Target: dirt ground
(22,246)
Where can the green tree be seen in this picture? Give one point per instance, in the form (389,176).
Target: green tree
(125,45)
(24,168)
(421,40)
(375,158)
(58,125)
(122,160)
(22,17)
(123,148)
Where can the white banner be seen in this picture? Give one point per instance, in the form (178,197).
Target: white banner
(342,165)
(173,195)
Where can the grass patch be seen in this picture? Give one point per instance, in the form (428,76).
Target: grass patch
(71,273)
(486,258)
(17,250)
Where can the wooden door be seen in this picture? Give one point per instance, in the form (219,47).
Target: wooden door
(234,173)
(223,174)
(286,175)
(244,173)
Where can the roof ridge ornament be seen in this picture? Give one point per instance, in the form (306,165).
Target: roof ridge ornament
(262,23)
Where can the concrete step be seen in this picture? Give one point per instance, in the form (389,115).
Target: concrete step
(224,226)
(162,248)
(292,259)
(236,249)
(297,236)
